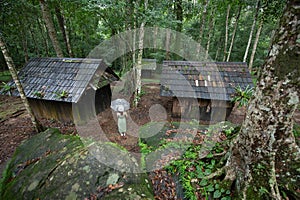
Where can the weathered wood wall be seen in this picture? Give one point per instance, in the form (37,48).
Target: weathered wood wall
(85,109)
(147,73)
(57,110)
(202,109)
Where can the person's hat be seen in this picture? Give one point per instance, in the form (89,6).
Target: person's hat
(121,108)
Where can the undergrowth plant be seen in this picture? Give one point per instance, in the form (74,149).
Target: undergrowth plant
(192,167)
(7,88)
(242,96)
(193,175)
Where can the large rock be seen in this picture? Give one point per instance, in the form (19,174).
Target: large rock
(55,166)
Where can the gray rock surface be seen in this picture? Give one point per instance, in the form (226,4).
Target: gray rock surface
(55,166)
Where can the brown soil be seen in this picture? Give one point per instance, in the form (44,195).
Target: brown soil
(16,126)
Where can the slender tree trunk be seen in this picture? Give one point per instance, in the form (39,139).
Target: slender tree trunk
(25,48)
(210,33)
(255,44)
(204,15)
(251,31)
(45,41)
(51,29)
(63,27)
(168,43)
(14,75)
(234,32)
(139,59)
(226,32)
(24,39)
(179,18)
(217,53)
(266,139)
(155,40)
(36,48)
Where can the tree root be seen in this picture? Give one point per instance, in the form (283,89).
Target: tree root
(217,173)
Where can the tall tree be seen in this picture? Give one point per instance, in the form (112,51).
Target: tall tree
(266,139)
(179,20)
(255,44)
(252,30)
(202,25)
(15,77)
(139,59)
(63,28)
(226,31)
(210,32)
(168,43)
(234,32)
(50,26)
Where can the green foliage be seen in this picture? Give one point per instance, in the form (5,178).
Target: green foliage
(242,96)
(296,130)
(7,88)
(62,94)
(90,22)
(193,173)
(5,76)
(39,94)
(139,96)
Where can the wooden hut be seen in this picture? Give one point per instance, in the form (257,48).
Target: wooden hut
(148,67)
(203,90)
(56,86)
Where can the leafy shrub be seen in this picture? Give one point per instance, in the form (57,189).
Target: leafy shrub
(242,96)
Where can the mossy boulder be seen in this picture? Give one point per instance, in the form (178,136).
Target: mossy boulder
(55,166)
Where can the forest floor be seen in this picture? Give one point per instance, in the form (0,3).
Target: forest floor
(16,126)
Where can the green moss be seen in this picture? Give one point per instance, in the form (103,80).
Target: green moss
(141,190)
(296,130)
(56,166)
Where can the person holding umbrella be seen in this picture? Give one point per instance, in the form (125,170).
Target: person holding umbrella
(120,106)
(121,115)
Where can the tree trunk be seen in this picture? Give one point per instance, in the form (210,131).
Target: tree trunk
(139,60)
(234,32)
(210,33)
(168,43)
(226,32)
(206,2)
(62,25)
(36,48)
(179,18)
(42,28)
(25,47)
(251,31)
(155,40)
(139,64)
(255,45)
(51,29)
(14,75)
(264,153)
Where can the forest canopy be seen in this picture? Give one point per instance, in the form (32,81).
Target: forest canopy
(226,29)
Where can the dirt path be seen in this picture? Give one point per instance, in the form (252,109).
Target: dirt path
(16,126)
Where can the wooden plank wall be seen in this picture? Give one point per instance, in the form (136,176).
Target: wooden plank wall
(203,109)
(85,109)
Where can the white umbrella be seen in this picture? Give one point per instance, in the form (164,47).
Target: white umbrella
(115,104)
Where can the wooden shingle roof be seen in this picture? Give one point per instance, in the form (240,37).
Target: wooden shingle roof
(148,64)
(205,80)
(46,78)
